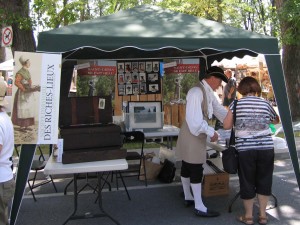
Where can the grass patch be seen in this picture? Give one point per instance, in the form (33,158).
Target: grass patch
(281,134)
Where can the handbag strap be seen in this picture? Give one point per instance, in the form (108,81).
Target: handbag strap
(232,136)
(234,111)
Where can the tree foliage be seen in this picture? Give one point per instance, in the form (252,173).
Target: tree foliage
(169,86)
(289,15)
(255,15)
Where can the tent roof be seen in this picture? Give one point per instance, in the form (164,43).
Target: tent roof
(148,32)
(7,65)
(151,31)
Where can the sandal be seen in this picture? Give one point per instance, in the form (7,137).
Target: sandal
(262,220)
(245,220)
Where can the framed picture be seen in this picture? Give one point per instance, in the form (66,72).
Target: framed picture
(121,89)
(143,115)
(149,66)
(128,90)
(152,77)
(120,67)
(127,67)
(153,88)
(141,66)
(155,66)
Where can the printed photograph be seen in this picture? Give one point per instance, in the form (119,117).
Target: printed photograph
(149,66)
(156,66)
(120,67)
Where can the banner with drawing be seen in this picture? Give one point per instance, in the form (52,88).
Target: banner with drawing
(36,94)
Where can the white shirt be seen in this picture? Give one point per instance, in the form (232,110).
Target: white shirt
(194,114)
(7,142)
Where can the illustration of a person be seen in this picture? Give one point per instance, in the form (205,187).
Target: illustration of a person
(23,112)
(149,67)
(91,88)
(121,68)
(142,78)
(155,68)
(121,78)
(128,69)
(135,78)
(142,67)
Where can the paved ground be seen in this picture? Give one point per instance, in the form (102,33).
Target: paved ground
(158,203)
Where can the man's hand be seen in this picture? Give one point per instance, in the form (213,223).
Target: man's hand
(215,137)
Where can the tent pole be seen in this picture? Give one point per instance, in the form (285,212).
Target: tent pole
(278,83)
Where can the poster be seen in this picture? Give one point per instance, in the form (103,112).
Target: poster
(95,78)
(36,91)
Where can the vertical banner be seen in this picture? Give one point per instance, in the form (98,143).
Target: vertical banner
(35,110)
(49,99)
(36,92)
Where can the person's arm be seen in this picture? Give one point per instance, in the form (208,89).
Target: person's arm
(231,92)
(228,121)
(18,82)
(219,110)
(25,88)
(276,120)
(226,90)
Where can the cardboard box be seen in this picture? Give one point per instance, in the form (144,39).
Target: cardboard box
(215,184)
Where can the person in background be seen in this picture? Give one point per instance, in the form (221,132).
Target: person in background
(255,147)
(7,183)
(191,144)
(229,89)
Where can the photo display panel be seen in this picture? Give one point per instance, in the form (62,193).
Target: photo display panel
(138,77)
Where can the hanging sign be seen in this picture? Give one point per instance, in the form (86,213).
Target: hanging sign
(7,37)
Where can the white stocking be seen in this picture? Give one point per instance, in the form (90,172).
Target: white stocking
(198,197)
(186,184)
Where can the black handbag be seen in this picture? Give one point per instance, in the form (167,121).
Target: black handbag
(230,155)
(167,173)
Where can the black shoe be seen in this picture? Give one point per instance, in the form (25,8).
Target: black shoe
(209,213)
(189,203)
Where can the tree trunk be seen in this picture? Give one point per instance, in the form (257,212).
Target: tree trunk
(16,14)
(291,66)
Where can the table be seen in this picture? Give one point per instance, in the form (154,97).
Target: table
(54,168)
(168,131)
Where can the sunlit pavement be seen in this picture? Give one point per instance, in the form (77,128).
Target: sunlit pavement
(158,203)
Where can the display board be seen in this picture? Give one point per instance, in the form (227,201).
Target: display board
(138,77)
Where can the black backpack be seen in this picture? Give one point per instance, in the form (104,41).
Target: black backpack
(167,173)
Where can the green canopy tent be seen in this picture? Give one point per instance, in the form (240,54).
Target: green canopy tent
(150,32)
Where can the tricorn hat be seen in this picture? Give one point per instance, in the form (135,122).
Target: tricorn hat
(216,72)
